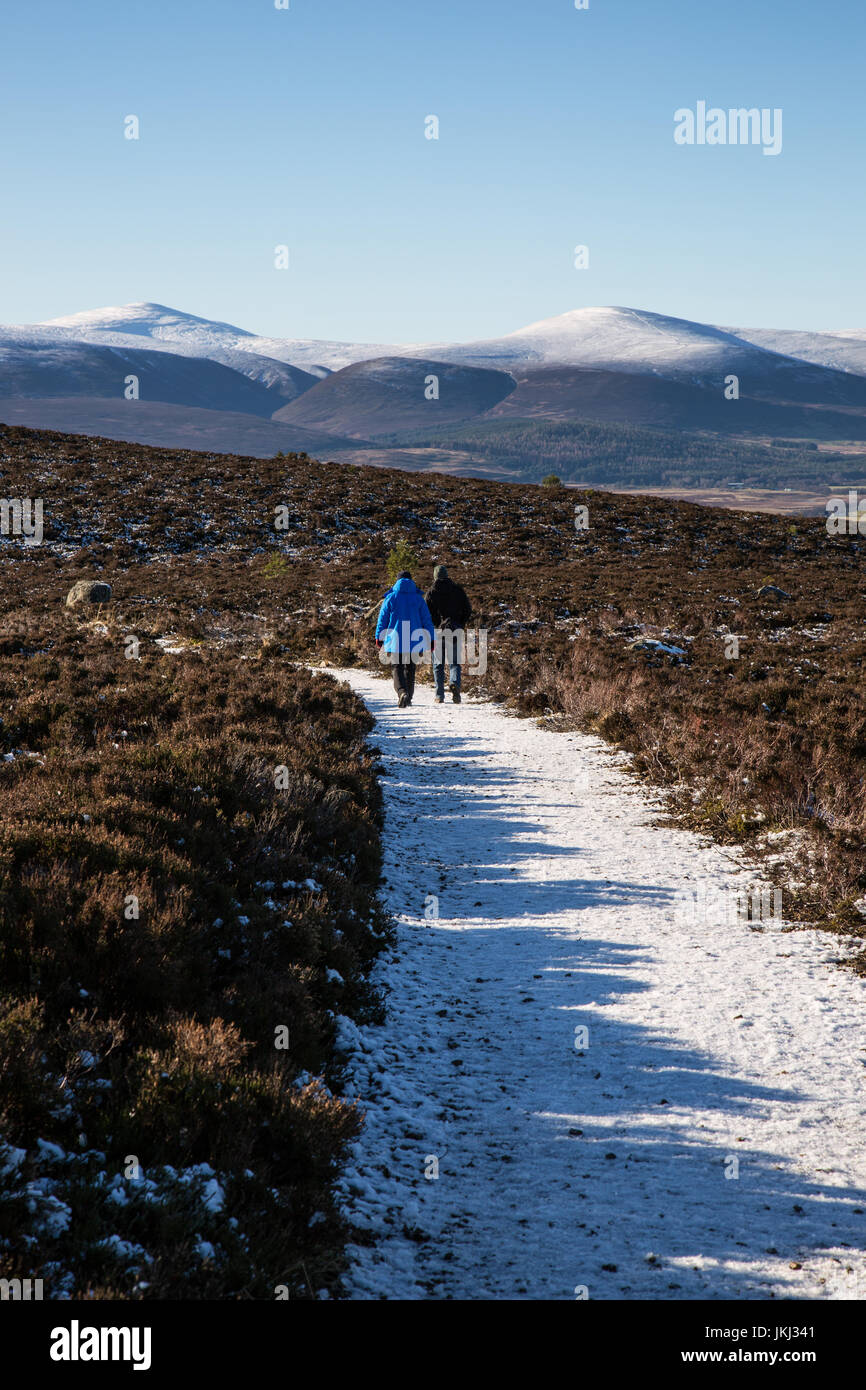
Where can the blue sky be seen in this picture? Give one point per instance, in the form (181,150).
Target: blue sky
(306,127)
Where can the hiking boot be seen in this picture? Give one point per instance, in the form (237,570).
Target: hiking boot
(455,696)
(402,702)
(439,700)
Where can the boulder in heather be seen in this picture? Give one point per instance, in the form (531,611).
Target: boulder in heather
(88,591)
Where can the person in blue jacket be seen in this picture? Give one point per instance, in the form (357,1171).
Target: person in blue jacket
(404,634)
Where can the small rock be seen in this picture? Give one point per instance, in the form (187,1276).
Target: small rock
(772,591)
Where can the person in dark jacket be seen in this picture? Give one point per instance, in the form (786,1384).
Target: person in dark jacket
(450,610)
(404,634)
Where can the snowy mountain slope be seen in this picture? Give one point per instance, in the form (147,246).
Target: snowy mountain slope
(205,336)
(703,1140)
(282,378)
(621,338)
(639,342)
(149,320)
(845,352)
(35,367)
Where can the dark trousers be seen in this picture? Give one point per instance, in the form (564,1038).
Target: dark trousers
(404,678)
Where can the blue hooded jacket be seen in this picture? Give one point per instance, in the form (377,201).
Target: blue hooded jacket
(403,618)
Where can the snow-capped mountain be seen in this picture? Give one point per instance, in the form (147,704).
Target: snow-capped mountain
(173,329)
(149,321)
(637,341)
(613,338)
(55,344)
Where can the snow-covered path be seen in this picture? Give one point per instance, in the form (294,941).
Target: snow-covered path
(706,1141)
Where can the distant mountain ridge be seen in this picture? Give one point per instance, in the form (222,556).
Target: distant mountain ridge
(617,365)
(614,337)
